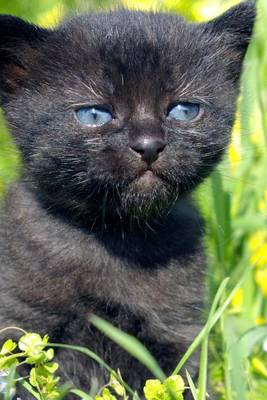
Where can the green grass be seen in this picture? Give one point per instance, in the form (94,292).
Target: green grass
(234,203)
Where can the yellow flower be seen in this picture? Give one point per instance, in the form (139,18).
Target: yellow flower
(259,258)
(261,280)
(263,203)
(238,300)
(260,321)
(258,248)
(51,18)
(32,343)
(259,366)
(143,5)
(174,4)
(235,146)
(257,135)
(205,10)
(172,387)
(257,240)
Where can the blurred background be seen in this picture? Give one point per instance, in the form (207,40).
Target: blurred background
(233,200)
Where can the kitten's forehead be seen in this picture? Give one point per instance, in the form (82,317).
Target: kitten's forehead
(133,48)
(126,51)
(135,27)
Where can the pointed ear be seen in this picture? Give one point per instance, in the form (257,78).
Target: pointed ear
(235,28)
(19,43)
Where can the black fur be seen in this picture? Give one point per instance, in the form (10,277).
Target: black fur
(84,232)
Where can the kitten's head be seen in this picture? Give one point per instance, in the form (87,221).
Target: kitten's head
(122,112)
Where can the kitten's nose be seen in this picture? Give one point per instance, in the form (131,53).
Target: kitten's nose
(149,149)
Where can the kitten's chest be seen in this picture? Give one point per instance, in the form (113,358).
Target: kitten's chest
(155,275)
(142,277)
(164,302)
(67,264)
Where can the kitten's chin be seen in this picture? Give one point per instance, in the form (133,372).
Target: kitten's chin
(148,196)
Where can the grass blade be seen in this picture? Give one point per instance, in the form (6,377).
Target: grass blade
(30,389)
(234,360)
(96,358)
(10,379)
(202,380)
(205,331)
(192,386)
(81,394)
(131,345)
(250,338)
(203,370)
(212,319)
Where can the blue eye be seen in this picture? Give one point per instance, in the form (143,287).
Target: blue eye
(93,116)
(184,111)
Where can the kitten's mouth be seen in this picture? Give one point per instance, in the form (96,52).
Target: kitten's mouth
(147,194)
(147,174)
(147,177)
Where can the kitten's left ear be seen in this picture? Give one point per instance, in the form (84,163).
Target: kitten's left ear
(235,27)
(20,43)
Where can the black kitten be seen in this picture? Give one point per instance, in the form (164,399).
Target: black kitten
(118,117)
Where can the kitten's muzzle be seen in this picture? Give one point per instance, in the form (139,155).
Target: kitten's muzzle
(149,149)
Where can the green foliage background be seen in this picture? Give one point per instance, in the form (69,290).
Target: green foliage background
(233,200)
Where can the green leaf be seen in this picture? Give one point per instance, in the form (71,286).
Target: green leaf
(8,347)
(51,367)
(8,361)
(33,379)
(37,359)
(50,354)
(116,386)
(106,395)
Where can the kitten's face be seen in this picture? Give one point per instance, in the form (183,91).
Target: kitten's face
(124,111)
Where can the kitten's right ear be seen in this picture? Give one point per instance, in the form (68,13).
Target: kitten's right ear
(238,21)
(235,28)
(19,43)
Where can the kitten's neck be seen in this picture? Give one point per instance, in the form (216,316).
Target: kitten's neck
(96,216)
(179,232)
